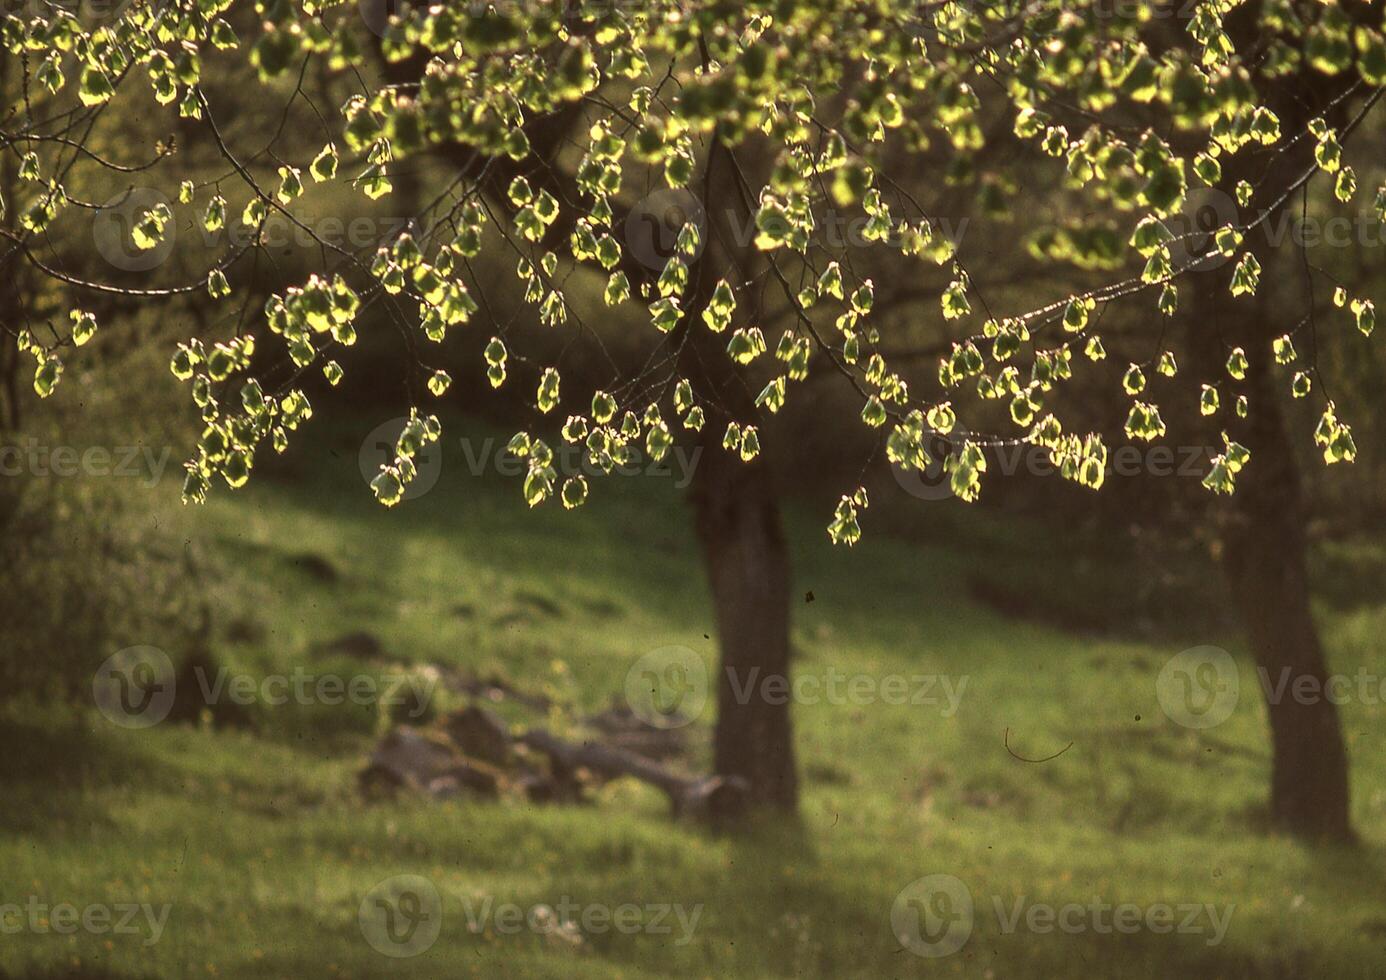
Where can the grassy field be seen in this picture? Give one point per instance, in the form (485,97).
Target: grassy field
(259,844)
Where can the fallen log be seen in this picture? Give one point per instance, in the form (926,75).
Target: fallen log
(714,799)
(407,758)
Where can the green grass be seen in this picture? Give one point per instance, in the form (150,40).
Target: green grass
(262,847)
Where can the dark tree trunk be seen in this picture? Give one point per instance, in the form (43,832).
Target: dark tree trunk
(737,522)
(737,518)
(738,527)
(1262,529)
(1264,555)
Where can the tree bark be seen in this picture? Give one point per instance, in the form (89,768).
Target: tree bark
(737,522)
(1265,560)
(737,519)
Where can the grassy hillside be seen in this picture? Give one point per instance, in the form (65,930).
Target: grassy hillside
(258,840)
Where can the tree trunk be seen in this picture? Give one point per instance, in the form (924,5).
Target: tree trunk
(1264,555)
(737,522)
(737,518)
(1264,559)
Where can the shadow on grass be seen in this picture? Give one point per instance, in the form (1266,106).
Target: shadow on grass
(50,766)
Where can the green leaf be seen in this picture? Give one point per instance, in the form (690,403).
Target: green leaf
(941,418)
(547,397)
(658,440)
(603,408)
(1076,314)
(252,398)
(495,355)
(1208,169)
(720,307)
(665,313)
(94,87)
(1144,422)
(1328,154)
(874,413)
(388,487)
(683,396)
(1237,364)
(184,361)
(1227,239)
(1364,311)
(538,484)
(746,345)
(1208,401)
(215,216)
(1246,276)
(830,282)
(83,327)
(1168,304)
(771,397)
(290,184)
(374,183)
(217,286)
(1346,185)
(954,301)
(1265,126)
(254,213)
(149,230)
(574,492)
(46,375)
(750,444)
(324,165)
(617,290)
(1150,236)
